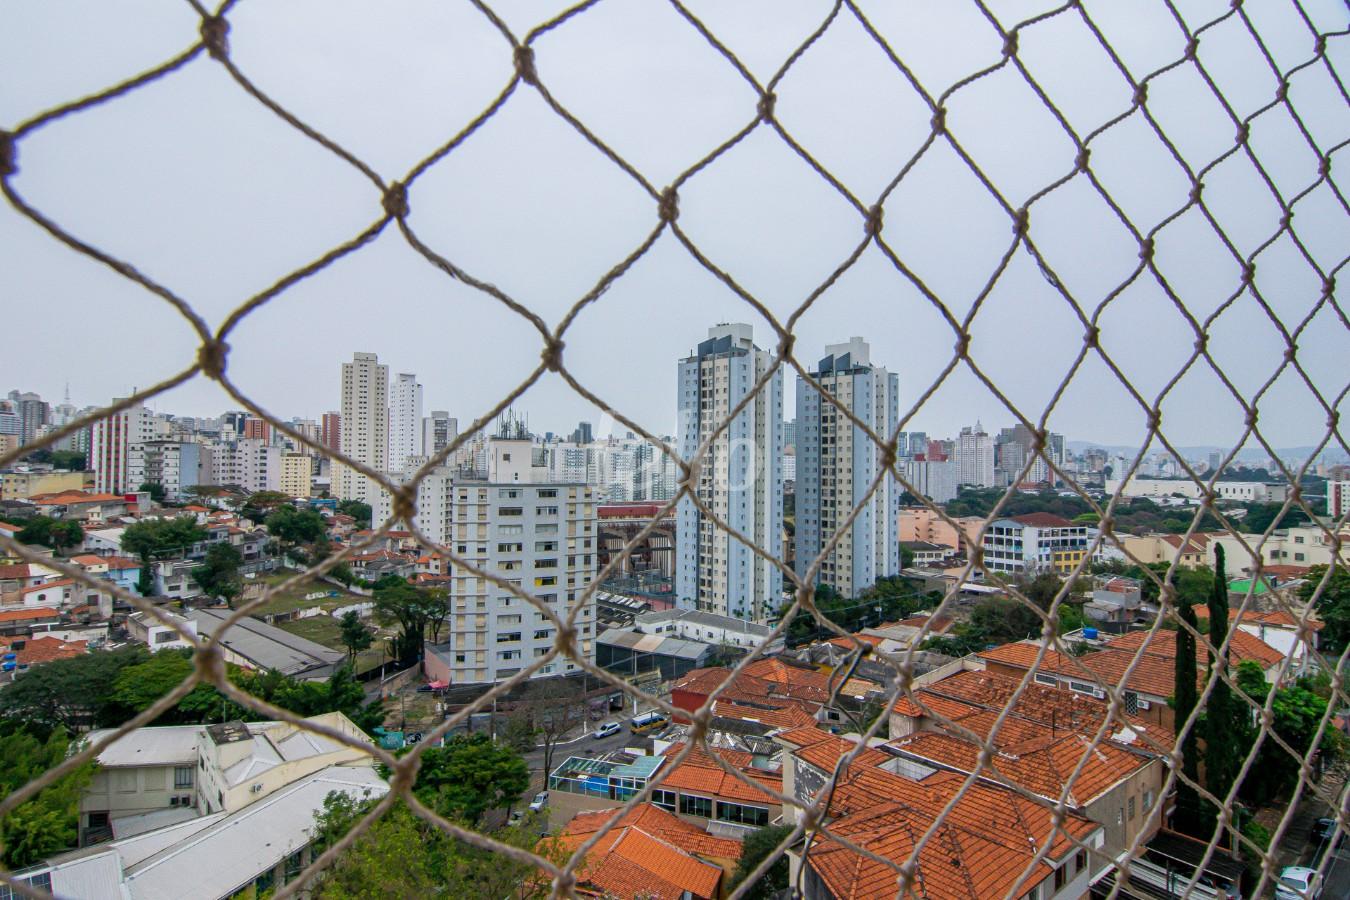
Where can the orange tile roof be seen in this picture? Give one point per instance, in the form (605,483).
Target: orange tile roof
(1275,618)
(1164,644)
(38,650)
(88,559)
(699,774)
(649,853)
(17,570)
(66,497)
(28,615)
(55,582)
(778,717)
(980,850)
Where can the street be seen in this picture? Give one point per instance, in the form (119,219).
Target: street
(584,745)
(1338,875)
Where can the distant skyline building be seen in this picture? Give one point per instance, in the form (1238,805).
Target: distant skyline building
(837,463)
(918,443)
(365,425)
(330,431)
(405,420)
(33,413)
(110,447)
(439,430)
(740,479)
(974,457)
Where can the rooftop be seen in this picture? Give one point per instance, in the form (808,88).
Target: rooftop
(157,746)
(267,646)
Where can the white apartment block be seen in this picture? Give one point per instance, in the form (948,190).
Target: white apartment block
(932,478)
(297,473)
(974,457)
(110,447)
(174,465)
(435,507)
(837,464)
(1301,545)
(541,536)
(1238,491)
(249,463)
(741,478)
(405,420)
(365,425)
(438,431)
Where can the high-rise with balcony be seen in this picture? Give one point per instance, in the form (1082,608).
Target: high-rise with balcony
(405,420)
(110,447)
(365,425)
(740,480)
(974,457)
(837,463)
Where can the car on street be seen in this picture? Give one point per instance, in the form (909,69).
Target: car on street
(1298,883)
(607,729)
(1322,831)
(539,802)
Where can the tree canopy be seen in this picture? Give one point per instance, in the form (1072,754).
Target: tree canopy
(470,775)
(73,693)
(1333,605)
(359,511)
(49,822)
(59,534)
(152,538)
(412,609)
(296,526)
(218,575)
(757,846)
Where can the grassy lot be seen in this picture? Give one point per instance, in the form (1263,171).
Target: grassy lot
(325,630)
(294,598)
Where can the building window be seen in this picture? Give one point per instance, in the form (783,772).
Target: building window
(664,799)
(743,815)
(1148,800)
(1130,806)
(506,637)
(511,511)
(1131,702)
(1061,876)
(182,776)
(1050,680)
(696,806)
(1083,687)
(295,864)
(1080,861)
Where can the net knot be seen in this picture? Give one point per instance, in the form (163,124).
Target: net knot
(1201,342)
(1092,337)
(1021,221)
(1084,154)
(1250,420)
(1154,419)
(766,104)
(1141,94)
(209,662)
(404,503)
(552,355)
(211,358)
(1320,45)
(1282,91)
(215,32)
(1244,132)
(1146,249)
(1192,48)
(670,205)
(939,120)
(525,65)
(1248,272)
(395,200)
(1329,285)
(888,456)
(1324,166)
(1010,44)
(874,219)
(9,153)
(963,344)
(1196,190)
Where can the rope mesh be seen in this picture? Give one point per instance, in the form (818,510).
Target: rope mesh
(391,201)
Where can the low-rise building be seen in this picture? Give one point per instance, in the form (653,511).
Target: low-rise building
(708,628)
(1036,542)
(257,645)
(24,484)
(151,630)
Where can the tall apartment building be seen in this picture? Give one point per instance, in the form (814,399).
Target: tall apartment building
(1338,498)
(174,465)
(257,429)
(365,425)
(296,474)
(974,457)
(33,413)
(541,536)
(438,430)
(247,462)
(741,477)
(110,446)
(405,420)
(918,443)
(933,476)
(836,465)
(330,430)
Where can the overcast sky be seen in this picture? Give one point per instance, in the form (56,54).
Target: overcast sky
(206,191)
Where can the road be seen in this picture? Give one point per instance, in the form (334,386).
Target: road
(586,745)
(1338,875)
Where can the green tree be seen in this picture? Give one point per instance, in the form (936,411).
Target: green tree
(355,635)
(1188,817)
(49,822)
(260,504)
(74,694)
(59,534)
(412,609)
(519,732)
(218,575)
(1333,605)
(1260,516)
(470,775)
(1297,712)
(359,511)
(758,845)
(1226,717)
(154,489)
(158,538)
(296,526)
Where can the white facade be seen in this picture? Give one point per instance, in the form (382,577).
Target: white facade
(837,464)
(1238,491)
(365,425)
(405,420)
(740,480)
(933,478)
(175,465)
(250,463)
(1338,498)
(434,502)
(110,447)
(540,536)
(438,430)
(974,457)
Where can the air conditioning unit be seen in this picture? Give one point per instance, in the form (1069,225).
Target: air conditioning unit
(1143,704)
(255,789)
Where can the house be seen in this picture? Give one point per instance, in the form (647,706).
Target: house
(1163,548)
(25,619)
(256,645)
(22,575)
(151,630)
(1279,628)
(650,853)
(204,769)
(926,553)
(1116,603)
(1036,542)
(1150,681)
(19,654)
(774,684)
(629,652)
(708,628)
(987,841)
(84,506)
(247,852)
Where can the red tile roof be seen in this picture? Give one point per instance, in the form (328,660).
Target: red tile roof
(699,774)
(1042,520)
(649,854)
(28,615)
(38,650)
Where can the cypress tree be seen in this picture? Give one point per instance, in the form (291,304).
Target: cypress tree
(1187,819)
(1225,719)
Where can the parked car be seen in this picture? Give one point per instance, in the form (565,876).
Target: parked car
(1298,883)
(539,802)
(1322,831)
(516,818)
(607,729)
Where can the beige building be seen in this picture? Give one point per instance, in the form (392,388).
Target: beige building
(296,472)
(1163,548)
(918,523)
(23,485)
(1302,545)
(365,425)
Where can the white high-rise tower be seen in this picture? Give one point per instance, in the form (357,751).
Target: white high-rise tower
(365,425)
(741,479)
(405,420)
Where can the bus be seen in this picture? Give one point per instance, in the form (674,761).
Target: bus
(648,721)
